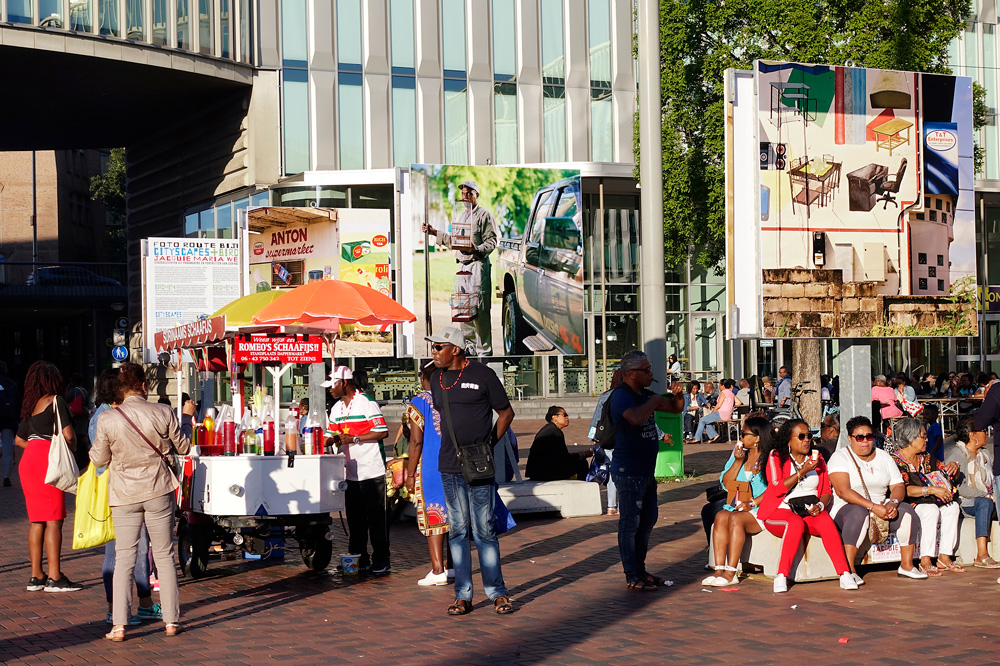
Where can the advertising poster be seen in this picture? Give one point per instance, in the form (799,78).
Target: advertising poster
(504,258)
(187,278)
(290,246)
(864,213)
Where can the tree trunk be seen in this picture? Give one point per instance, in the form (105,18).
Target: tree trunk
(806,356)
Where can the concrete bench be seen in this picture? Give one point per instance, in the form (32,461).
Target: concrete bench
(813,563)
(569,498)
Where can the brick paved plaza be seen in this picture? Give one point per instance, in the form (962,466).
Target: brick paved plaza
(572,605)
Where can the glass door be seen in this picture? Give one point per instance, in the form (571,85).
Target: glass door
(706,346)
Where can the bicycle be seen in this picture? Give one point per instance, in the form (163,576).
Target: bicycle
(780,415)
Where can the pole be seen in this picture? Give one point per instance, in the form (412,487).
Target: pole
(652,292)
(855,365)
(604,295)
(34,214)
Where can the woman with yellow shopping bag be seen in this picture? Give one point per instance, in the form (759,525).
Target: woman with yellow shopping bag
(107,397)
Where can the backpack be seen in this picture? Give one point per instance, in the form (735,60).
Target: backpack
(605,432)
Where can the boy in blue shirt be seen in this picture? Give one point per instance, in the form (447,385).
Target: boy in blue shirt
(935,436)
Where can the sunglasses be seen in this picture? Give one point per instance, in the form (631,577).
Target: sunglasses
(649,369)
(747,434)
(439,347)
(803,436)
(864,437)
(564,414)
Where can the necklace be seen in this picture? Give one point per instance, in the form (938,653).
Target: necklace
(457,379)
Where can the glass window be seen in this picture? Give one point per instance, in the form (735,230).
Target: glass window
(295,120)
(50,13)
(971,54)
(239,205)
(225,34)
(293,33)
(349,34)
(107,16)
(992,163)
(953,48)
(937,203)
(260,199)
(991,224)
(940,260)
(245,40)
(453,36)
(554,123)
(401,33)
(600,43)
(922,284)
(224,221)
(553,64)
(350,112)
(183,25)
(601,126)
(19,11)
(921,258)
(456,122)
(161,16)
(504,44)
(206,41)
(206,223)
(940,285)
(79,17)
(932,271)
(933,216)
(135,14)
(505,122)
(191,225)
(404,121)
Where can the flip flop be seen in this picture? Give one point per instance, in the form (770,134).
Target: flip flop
(930,571)
(460,607)
(641,586)
(655,580)
(950,567)
(988,563)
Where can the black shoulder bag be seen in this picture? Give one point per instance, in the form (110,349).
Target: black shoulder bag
(478,466)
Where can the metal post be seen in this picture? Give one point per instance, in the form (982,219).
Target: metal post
(855,364)
(34,214)
(652,292)
(604,296)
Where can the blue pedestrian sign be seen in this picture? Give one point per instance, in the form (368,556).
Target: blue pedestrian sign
(119,353)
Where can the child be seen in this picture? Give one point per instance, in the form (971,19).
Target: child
(935,436)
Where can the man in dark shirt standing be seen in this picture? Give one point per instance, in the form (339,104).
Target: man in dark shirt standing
(636,446)
(549,459)
(473,392)
(986,416)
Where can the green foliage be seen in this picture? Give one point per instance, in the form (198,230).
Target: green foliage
(958,322)
(700,39)
(980,116)
(109,189)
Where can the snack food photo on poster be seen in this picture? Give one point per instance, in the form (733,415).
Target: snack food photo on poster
(499,254)
(863,219)
(290,246)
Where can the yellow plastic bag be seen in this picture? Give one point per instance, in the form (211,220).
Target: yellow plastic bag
(92,524)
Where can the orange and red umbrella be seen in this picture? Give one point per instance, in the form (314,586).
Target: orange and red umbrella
(332,302)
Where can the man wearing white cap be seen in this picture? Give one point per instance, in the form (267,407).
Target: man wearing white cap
(475,271)
(356,426)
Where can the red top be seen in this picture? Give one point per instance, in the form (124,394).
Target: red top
(776,475)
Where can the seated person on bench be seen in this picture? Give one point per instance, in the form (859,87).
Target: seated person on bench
(549,459)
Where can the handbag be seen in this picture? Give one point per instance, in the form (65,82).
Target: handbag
(92,523)
(740,493)
(171,467)
(62,471)
(476,459)
(798,504)
(878,528)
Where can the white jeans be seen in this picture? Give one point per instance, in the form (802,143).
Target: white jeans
(929,515)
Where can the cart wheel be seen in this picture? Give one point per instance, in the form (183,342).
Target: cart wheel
(317,552)
(192,549)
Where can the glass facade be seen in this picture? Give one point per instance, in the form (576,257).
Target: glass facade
(222,219)
(206,38)
(554,123)
(351,123)
(135,15)
(456,122)
(601,106)
(453,37)
(50,12)
(404,121)
(401,35)
(295,86)
(183,25)
(505,123)
(504,40)
(349,35)
(107,17)
(19,11)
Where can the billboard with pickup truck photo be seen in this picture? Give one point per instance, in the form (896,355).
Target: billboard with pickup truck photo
(499,255)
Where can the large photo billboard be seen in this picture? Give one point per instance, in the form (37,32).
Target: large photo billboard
(499,255)
(861,208)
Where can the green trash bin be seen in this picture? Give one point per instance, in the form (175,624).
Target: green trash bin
(670,458)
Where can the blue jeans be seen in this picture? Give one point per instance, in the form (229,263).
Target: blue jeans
(637,516)
(703,425)
(612,488)
(983,511)
(470,508)
(141,574)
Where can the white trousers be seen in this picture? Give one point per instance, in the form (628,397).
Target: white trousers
(930,515)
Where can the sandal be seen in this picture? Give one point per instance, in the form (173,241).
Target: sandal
(117,634)
(612,511)
(172,629)
(930,571)
(640,586)
(655,580)
(988,563)
(951,566)
(502,606)
(460,607)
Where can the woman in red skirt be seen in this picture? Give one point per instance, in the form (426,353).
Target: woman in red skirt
(43,389)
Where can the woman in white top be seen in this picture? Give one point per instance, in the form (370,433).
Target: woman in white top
(975,459)
(866,482)
(674,368)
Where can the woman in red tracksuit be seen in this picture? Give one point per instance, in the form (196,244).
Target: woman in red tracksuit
(794,471)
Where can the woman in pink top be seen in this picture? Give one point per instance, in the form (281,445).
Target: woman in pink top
(886,396)
(723,412)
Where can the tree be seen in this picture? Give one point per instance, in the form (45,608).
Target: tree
(700,39)
(109,189)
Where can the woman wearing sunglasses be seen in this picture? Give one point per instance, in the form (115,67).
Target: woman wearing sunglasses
(868,484)
(743,478)
(798,495)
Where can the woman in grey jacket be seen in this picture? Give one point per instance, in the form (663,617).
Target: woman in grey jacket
(976,490)
(133,441)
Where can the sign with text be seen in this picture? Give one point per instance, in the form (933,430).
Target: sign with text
(282,349)
(186,278)
(190,334)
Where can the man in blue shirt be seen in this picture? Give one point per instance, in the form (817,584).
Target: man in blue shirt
(784,387)
(636,446)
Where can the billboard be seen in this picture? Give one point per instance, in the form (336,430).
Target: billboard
(499,255)
(850,203)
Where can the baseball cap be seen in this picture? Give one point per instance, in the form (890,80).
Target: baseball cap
(338,373)
(449,335)
(471,184)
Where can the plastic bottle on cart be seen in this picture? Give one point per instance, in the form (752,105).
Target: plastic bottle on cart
(228,435)
(291,432)
(269,427)
(209,424)
(252,439)
(308,438)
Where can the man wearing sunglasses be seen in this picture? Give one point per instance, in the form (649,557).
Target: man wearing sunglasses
(636,446)
(473,392)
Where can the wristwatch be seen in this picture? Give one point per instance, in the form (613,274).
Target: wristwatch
(895,501)
(356,440)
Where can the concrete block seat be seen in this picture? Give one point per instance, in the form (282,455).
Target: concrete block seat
(813,563)
(569,498)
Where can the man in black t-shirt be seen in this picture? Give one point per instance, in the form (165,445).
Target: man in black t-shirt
(473,392)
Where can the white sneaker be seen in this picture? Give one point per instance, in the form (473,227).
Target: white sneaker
(780,584)
(911,573)
(858,579)
(434,579)
(711,581)
(847,581)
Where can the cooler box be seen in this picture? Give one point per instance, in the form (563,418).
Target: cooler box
(670,459)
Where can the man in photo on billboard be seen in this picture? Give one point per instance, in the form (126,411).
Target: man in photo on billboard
(784,388)
(473,393)
(474,268)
